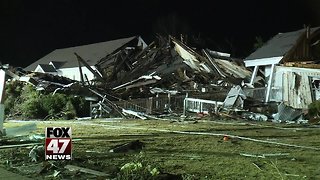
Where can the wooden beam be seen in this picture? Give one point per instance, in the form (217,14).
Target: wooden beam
(80,71)
(254,74)
(88,66)
(114,106)
(87,79)
(18,145)
(214,64)
(144,50)
(270,83)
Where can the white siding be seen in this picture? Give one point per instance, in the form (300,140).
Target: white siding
(74,74)
(292,86)
(267,70)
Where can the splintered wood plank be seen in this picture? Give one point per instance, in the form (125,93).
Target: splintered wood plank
(85,170)
(285,87)
(305,94)
(18,145)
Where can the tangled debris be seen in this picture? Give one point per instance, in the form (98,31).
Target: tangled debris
(158,79)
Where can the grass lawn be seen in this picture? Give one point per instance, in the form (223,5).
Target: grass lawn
(193,155)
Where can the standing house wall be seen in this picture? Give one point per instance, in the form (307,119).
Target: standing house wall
(293,86)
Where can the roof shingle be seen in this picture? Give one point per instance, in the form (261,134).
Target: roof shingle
(91,53)
(278,45)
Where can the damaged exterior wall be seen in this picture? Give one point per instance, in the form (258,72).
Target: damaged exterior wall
(293,86)
(296,46)
(73,73)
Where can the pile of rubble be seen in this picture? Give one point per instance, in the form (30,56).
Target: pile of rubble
(166,77)
(168,64)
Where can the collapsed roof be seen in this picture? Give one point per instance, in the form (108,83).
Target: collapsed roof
(168,64)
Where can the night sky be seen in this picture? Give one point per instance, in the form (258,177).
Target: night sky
(30,29)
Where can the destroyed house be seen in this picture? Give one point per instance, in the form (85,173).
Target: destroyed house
(161,75)
(65,62)
(169,64)
(132,76)
(289,63)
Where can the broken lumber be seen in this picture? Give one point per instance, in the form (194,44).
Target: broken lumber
(114,106)
(85,170)
(18,145)
(136,114)
(80,71)
(214,64)
(88,66)
(263,155)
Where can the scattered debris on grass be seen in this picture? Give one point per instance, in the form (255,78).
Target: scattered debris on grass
(37,153)
(167,80)
(131,146)
(86,170)
(264,155)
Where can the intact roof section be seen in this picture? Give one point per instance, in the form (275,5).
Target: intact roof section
(91,53)
(279,45)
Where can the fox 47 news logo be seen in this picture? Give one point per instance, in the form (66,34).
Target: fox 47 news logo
(58,143)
